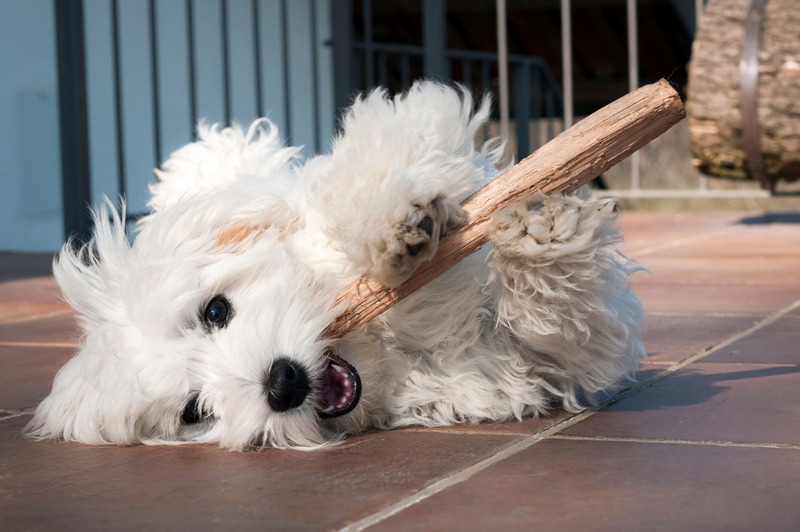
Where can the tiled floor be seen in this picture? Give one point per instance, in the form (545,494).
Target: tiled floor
(709,438)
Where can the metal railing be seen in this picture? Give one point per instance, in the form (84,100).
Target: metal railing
(535,96)
(135,77)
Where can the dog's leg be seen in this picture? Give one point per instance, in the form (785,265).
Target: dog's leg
(396,246)
(396,176)
(563,289)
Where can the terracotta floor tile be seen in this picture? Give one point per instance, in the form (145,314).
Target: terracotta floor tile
(38,289)
(644,230)
(77,487)
(58,329)
(719,270)
(740,403)
(27,373)
(776,242)
(603,485)
(674,338)
(742,300)
(22,299)
(777,343)
(526,427)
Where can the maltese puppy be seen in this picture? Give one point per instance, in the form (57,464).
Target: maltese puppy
(209,326)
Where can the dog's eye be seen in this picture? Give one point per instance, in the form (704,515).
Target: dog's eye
(218,312)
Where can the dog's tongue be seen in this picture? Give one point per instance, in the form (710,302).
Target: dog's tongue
(340,387)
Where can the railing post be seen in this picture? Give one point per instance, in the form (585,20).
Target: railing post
(73,119)
(536,110)
(522,108)
(434,22)
(344,79)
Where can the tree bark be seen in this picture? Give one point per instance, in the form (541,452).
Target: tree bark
(714,104)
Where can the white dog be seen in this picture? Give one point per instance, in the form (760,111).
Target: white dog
(209,327)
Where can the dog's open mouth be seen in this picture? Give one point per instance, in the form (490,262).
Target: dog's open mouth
(339,387)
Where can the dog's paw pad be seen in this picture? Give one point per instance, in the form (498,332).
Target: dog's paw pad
(414,240)
(546,223)
(414,249)
(425,226)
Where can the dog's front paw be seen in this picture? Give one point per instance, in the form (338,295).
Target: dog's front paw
(550,226)
(405,245)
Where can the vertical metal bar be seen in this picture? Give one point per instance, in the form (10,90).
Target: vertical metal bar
(73,119)
(369,65)
(118,118)
(405,71)
(192,67)
(550,105)
(566,63)
(154,86)
(344,74)
(226,74)
(522,109)
(466,73)
(633,80)
(287,128)
(383,69)
(502,66)
(257,58)
(318,142)
(537,107)
(434,39)
(358,69)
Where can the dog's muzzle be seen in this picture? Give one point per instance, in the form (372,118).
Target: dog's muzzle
(339,386)
(287,385)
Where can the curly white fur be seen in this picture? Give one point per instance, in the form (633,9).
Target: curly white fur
(546,317)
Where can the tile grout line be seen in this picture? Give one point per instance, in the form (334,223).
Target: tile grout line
(677,366)
(468,472)
(37,344)
(769,320)
(709,443)
(35,317)
(678,242)
(460,476)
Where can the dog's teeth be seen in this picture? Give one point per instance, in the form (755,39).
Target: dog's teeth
(337,368)
(328,409)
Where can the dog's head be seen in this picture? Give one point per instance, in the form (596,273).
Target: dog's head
(205,329)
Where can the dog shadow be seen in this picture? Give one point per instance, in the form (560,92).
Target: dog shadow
(691,387)
(771,218)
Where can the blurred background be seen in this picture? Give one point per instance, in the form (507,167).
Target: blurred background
(95,93)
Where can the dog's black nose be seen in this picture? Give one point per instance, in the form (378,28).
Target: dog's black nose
(287,385)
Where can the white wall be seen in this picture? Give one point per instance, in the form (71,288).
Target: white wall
(289,64)
(30,178)
(294,62)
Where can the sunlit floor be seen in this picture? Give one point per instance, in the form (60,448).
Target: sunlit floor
(709,437)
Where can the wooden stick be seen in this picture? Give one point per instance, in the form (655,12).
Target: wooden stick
(570,160)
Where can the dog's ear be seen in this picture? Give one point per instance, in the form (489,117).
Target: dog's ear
(71,410)
(112,391)
(218,158)
(90,275)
